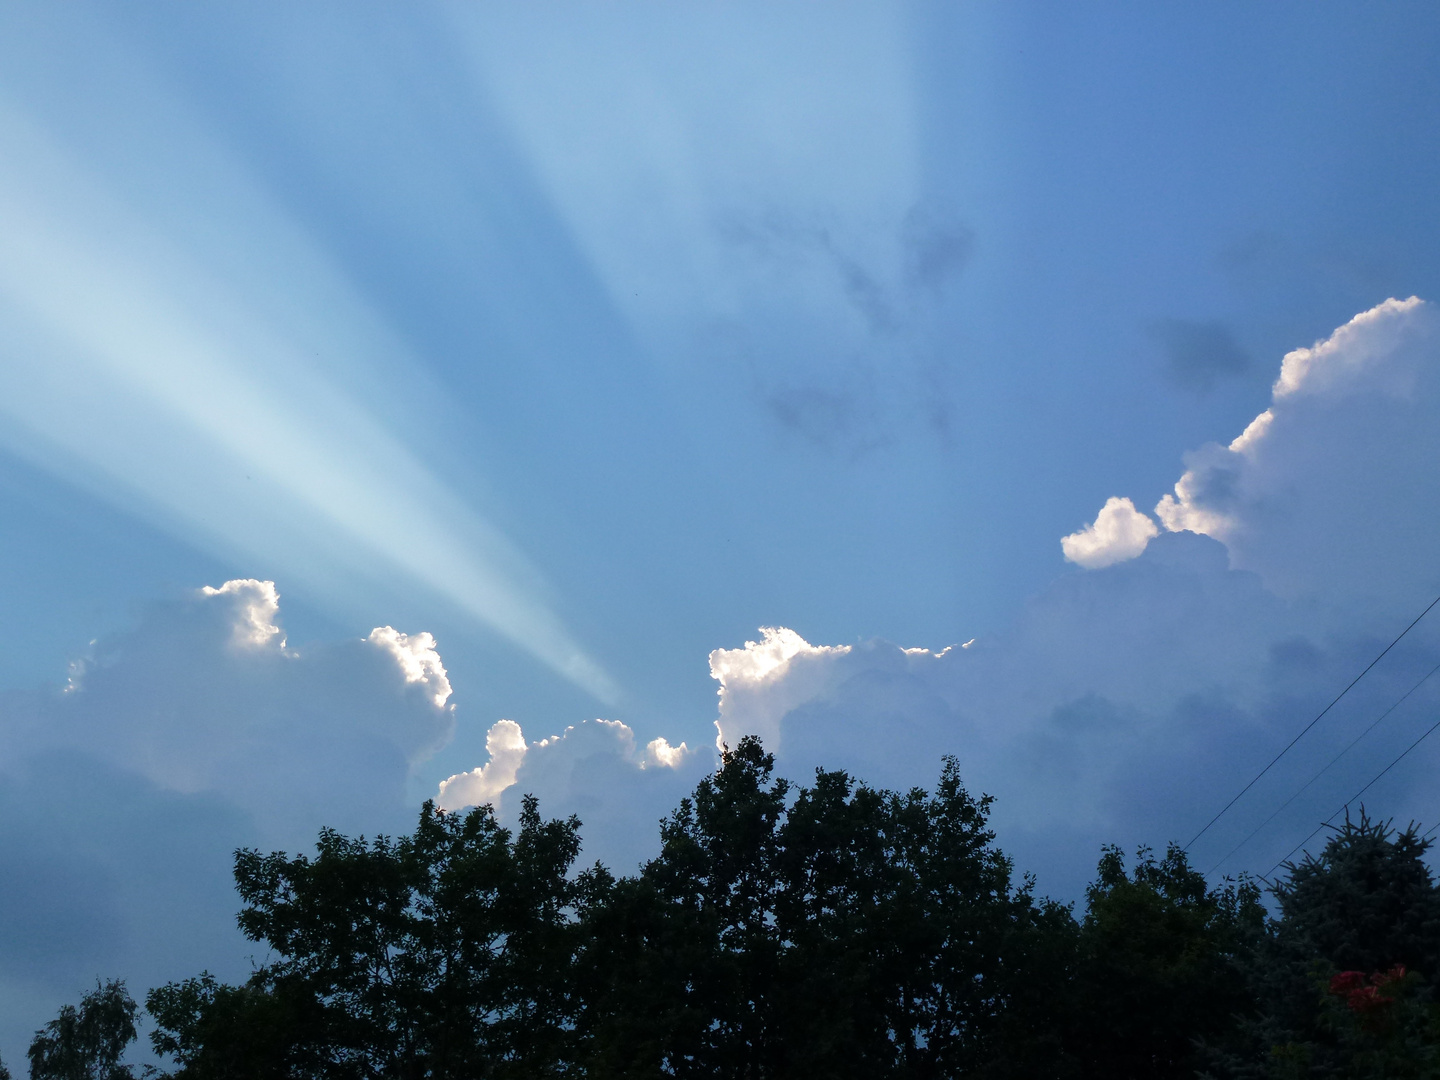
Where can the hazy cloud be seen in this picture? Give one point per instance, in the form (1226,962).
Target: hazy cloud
(206,695)
(1199,354)
(937,248)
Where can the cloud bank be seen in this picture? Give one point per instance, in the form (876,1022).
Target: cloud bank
(124,791)
(1131,699)
(1125,703)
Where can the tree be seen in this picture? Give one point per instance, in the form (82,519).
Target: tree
(86,1043)
(446,953)
(1161,965)
(842,932)
(1363,910)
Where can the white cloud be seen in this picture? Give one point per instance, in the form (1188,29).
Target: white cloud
(1333,492)
(594,770)
(1351,351)
(260,604)
(206,696)
(418,659)
(505,743)
(1119,532)
(746,675)
(660,754)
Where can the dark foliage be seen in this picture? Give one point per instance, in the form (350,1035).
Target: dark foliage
(446,953)
(833,930)
(1162,965)
(86,1043)
(849,932)
(1363,911)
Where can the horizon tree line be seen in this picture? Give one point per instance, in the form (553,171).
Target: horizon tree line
(829,930)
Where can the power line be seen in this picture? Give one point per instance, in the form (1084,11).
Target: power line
(1374,724)
(1310,725)
(1428,732)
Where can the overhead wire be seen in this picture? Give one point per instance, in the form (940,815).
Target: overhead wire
(1326,768)
(1373,780)
(1320,715)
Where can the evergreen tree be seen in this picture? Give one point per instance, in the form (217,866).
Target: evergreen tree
(1362,915)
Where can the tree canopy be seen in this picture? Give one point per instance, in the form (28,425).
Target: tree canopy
(831,929)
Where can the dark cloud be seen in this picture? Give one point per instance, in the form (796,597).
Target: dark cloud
(105,874)
(936,248)
(1199,354)
(865,370)
(834,417)
(1250,251)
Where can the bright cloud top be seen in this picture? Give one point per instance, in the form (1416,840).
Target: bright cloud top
(1331,490)
(508,750)
(1352,350)
(418,659)
(206,696)
(746,674)
(259,606)
(505,743)
(1119,532)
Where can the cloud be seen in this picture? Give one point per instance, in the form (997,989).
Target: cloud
(1123,705)
(1333,492)
(206,695)
(937,247)
(749,677)
(1130,701)
(505,743)
(1127,702)
(1199,354)
(125,790)
(104,873)
(838,320)
(1119,532)
(594,770)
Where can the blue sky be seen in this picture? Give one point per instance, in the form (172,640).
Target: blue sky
(590,339)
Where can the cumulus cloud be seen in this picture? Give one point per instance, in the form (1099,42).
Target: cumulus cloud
(1124,706)
(595,770)
(418,659)
(125,791)
(1128,704)
(505,743)
(1119,532)
(1333,492)
(206,695)
(749,677)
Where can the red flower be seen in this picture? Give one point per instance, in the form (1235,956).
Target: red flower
(1347,982)
(1361,992)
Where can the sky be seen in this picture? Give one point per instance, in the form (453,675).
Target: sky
(458,401)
